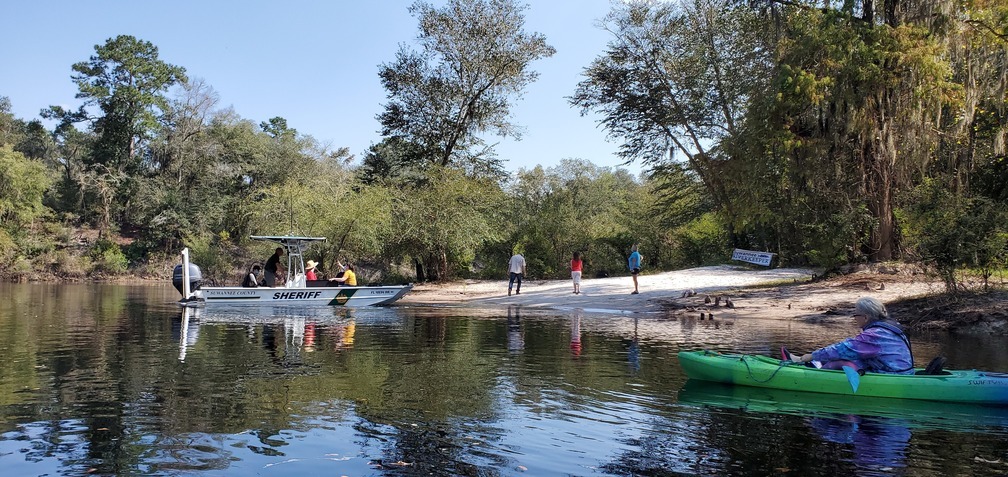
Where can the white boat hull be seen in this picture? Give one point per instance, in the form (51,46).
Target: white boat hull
(331,296)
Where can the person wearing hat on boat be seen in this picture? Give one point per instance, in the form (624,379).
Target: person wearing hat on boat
(273,267)
(310,270)
(881,347)
(252,279)
(348,278)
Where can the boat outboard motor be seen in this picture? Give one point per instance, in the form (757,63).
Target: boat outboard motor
(195,277)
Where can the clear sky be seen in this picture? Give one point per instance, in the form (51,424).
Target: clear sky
(314,63)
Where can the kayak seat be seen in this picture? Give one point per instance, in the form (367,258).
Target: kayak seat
(934,367)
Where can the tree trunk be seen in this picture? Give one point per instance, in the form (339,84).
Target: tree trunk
(420,275)
(880,156)
(443,264)
(883,237)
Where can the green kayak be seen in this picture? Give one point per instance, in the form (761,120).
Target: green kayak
(976,387)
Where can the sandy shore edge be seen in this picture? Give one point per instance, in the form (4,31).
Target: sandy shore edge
(766,293)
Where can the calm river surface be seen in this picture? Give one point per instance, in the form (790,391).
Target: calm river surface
(118,380)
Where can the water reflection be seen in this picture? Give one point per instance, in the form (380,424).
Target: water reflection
(188,331)
(298,330)
(516,338)
(876,445)
(128,383)
(575,335)
(633,347)
(930,415)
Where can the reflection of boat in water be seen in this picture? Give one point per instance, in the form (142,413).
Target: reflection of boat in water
(975,387)
(914,413)
(297,290)
(299,323)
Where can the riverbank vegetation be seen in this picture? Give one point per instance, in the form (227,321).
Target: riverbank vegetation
(826,134)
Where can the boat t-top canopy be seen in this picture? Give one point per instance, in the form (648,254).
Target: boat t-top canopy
(288,240)
(295,246)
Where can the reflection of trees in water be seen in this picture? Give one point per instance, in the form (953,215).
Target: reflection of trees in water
(439,391)
(422,447)
(726,442)
(434,403)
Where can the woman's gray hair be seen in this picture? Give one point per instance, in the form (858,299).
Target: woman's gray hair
(872,308)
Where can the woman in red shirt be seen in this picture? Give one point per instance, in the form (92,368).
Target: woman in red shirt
(575,267)
(310,270)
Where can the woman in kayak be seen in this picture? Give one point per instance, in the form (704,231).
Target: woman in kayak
(881,347)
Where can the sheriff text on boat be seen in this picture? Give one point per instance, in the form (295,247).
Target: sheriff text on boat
(296,290)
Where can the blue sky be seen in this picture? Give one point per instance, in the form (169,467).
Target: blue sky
(314,63)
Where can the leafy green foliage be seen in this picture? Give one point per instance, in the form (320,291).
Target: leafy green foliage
(473,60)
(992,179)
(11,128)
(108,258)
(8,248)
(952,233)
(123,86)
(702,241)
(577,206)
(445,238)
(22,185)
(214,255)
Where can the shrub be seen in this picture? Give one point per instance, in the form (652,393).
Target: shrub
(22,269)
(8,250)
(70,265)
(213,255)
(108,258)
(951,232)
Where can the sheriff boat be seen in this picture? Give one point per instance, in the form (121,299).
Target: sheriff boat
(295,291)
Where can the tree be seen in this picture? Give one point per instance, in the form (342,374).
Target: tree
(473,61)
(676,81)
(575,206)
(395,158)
(23,182)
(126,81)
(11,128)
(187,191)
(951,232)
(444,224)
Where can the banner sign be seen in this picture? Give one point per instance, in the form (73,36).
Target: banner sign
(759,258)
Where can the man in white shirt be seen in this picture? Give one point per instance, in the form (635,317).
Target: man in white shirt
(516,268)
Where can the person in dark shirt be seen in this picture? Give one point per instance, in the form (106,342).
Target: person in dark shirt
(273,268)
(252,279)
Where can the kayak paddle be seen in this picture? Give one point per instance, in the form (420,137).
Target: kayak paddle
(852,377)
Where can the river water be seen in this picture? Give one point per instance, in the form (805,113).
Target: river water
(118,380)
